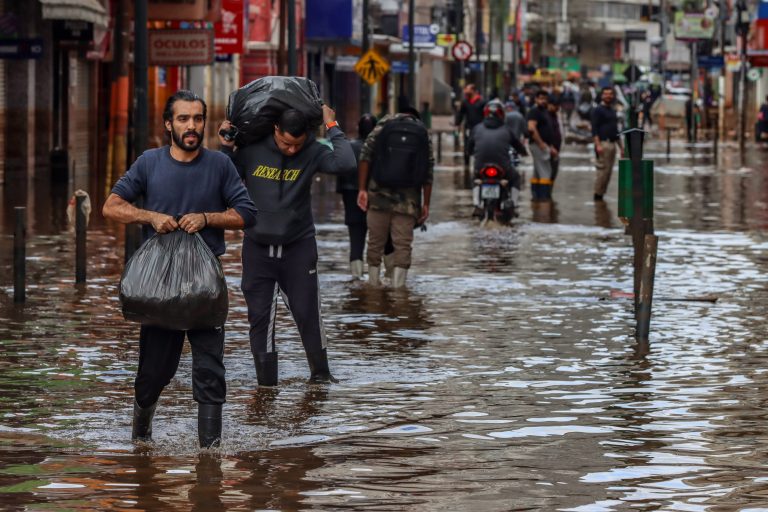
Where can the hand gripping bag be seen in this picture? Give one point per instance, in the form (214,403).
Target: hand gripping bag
(254,109)
(174,281)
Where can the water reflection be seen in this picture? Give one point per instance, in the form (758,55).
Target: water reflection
(497,381)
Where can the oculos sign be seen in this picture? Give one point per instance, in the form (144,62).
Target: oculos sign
(186,47)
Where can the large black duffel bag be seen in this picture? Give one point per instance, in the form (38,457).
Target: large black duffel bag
(254,108)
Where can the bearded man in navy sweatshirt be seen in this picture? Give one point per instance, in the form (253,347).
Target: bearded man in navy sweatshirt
(280,249)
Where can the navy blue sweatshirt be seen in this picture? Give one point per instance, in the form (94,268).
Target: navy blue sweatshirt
(280,186)
(209,183)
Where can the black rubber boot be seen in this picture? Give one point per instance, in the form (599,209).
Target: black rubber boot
(318,367)
(209,425)
(142,422)
(266,368)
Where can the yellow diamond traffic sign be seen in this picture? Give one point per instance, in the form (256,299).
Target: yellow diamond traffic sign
(372,67)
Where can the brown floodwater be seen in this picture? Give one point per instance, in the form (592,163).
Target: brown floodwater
(506,377)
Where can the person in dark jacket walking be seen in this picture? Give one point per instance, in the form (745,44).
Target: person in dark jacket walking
(605,132)
(553,107)
(347,186)
(470,113)
(203,185)
(280,250)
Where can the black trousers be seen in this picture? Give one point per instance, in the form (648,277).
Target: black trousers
(287,270)
(355,220)
(159,354)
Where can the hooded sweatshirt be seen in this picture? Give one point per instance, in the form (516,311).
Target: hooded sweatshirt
(280,185)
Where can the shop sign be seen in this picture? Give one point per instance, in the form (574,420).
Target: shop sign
(400,67)
(692,26)
(229,30)
(446,40)
(424,36)
(184,10)
(73,31)
(191,47)
(334,20)
(21,48)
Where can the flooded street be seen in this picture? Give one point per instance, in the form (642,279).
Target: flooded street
(505,378)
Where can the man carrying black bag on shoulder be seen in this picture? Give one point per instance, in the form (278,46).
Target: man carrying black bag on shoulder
(202,186)
(280,250)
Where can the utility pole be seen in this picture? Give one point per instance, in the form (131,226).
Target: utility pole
(292,68)
(140,106)
(663,46)
(742,29)
(516,46)
(365,89)
(723,6)
(412,54)
(478,42)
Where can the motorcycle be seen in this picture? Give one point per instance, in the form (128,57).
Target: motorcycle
(495,195)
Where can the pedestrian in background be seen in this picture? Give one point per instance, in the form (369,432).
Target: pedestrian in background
(347,186)
(395,180)
(280,250)
(541,133)
(515,120)
(470,114)
(605,135)
(183,178)
(553,107)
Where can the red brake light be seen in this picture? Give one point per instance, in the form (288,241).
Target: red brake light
(491,172)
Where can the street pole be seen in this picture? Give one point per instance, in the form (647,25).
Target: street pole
(411,54)
(365,89)
(292,68)
(742,30)
(488,72)
(141,108)
(478,42)
(694,86)
(721,82)
(663,46)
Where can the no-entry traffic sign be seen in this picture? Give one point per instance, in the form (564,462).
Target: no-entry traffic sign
(462,50)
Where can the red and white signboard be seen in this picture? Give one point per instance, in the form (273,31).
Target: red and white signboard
(229,31)
(171,47)
(462,50)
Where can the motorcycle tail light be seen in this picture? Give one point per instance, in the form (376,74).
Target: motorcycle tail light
(491,172)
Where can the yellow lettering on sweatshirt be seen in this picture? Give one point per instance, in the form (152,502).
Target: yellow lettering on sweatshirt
(273,173)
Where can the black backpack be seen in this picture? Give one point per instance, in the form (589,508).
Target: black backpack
(401,154)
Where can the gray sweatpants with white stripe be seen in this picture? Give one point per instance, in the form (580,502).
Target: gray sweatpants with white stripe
(287,270)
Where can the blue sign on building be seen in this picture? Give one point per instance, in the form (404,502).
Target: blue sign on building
(332,20)
(424,36)
(711,61)
(398,66)
(762,10)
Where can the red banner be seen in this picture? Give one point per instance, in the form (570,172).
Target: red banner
(229,30)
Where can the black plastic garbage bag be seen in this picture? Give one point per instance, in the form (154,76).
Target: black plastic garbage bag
(254,108)
(174,281)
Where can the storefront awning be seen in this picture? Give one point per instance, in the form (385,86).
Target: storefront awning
(81,10)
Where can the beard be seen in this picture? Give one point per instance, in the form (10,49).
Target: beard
(179,140)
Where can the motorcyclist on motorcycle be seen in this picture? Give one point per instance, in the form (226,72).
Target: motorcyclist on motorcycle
(491,143)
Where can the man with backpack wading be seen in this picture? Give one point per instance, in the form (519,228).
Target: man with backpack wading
(398,158)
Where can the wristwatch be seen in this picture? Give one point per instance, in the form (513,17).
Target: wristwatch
(330,125)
